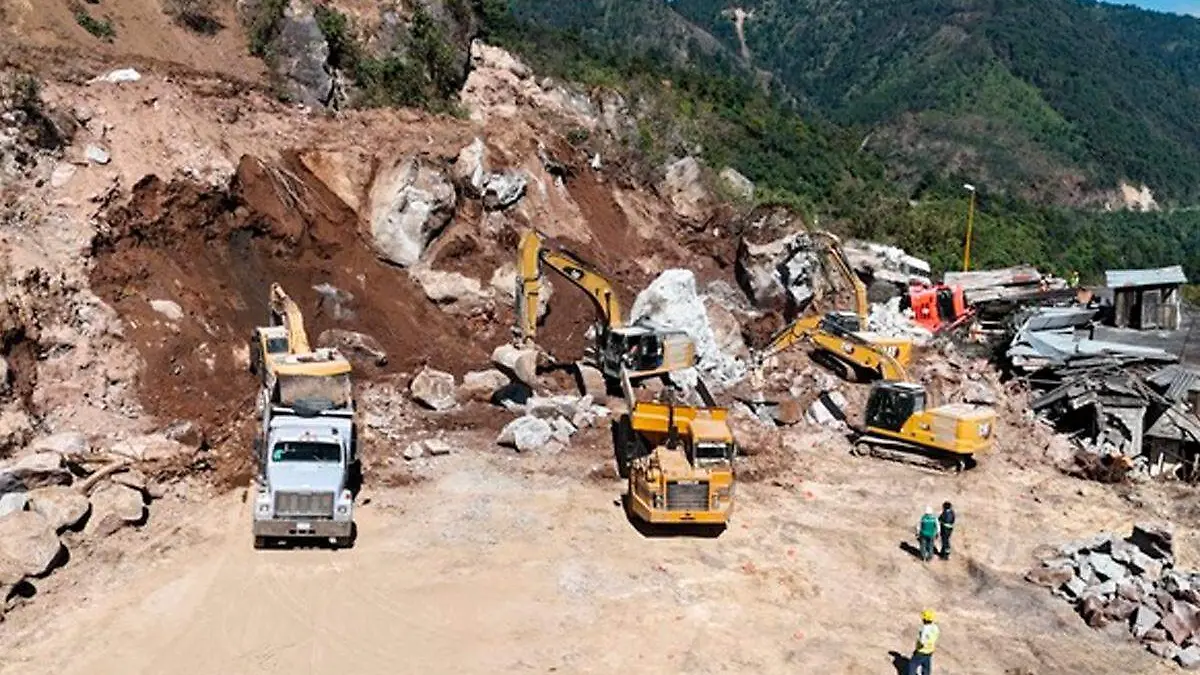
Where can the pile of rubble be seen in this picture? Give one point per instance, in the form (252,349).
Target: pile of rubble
(1021,283)
(1131,581)
(66,491)
(548,423)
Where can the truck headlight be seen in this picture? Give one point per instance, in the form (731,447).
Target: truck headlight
(985,430)
(658,500)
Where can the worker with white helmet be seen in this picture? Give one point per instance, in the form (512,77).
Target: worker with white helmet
(922,659)
(927,531)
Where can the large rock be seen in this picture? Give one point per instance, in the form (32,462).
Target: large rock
(33,471)
(779,275)
(671,302)
(736,183)
(1189,658)
(360,348)
(152,448)
(498,190)
(1050,577)
(1106,568)
(13,502)
(1144,619)
(520,363)
(300,55)
(29,546)
(1154,540)
(411,202)
(63,507)
(434,389)
(168,308)
(64,443)
(480,385)
(453,292)
(684,188)
(526,434)
(1182,621)
(592,382)
(113,507)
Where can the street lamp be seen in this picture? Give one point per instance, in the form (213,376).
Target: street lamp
(970,221)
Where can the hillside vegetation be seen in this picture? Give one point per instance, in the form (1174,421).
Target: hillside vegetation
(871,114)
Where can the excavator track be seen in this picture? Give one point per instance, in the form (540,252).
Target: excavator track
(939,461)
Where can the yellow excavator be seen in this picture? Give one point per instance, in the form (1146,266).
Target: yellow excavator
(639,350)
(840,338)
(288,366)
(678,459)
(899,427)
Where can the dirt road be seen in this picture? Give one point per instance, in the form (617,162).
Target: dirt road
(495,568)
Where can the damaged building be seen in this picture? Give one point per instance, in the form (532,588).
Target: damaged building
(1147,299)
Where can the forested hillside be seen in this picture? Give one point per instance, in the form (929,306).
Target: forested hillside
(872,113)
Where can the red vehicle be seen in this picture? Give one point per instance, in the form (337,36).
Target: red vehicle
(939,308)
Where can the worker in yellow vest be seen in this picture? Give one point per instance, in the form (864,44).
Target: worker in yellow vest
(922,658)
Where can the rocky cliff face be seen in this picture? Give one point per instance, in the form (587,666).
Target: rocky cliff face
(340,52)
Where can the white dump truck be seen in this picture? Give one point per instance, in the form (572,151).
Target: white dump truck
(308,463)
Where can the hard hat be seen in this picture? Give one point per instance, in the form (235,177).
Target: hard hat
(929,510)
(927,616)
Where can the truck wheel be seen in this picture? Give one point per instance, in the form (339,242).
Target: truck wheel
(260,543)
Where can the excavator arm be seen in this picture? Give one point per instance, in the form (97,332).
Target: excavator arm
(861,307)
(846,347)
(799,330)
(531,255)
(285,312)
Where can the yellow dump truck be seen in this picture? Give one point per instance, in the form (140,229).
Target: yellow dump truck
(678,460)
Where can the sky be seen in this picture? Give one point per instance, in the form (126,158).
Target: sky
(1177,6)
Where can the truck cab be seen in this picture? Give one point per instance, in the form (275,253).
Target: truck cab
(307,454)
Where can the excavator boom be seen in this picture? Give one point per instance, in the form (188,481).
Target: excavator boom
(530,258)
(861,307)
(285,312)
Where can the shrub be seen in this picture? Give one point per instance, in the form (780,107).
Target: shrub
(262,26)
(101,28)
(194,15)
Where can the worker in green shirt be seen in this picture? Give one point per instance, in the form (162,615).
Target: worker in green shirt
(927,531)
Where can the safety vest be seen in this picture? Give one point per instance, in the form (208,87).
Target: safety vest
(927,638)
(929,526)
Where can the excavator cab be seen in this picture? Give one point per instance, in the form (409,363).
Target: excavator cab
(643,351)
(891,404)
(841,324)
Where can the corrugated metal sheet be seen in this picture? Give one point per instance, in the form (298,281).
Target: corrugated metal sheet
(1163,276)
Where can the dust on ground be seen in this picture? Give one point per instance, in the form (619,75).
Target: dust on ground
(485,564)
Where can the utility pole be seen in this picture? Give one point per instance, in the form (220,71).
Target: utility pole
(970,221)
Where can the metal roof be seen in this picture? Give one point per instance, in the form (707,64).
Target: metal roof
(1162,276)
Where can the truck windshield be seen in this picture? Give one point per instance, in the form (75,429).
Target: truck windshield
(306,451)
(712,451)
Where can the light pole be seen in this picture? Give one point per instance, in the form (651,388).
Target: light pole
(970,221)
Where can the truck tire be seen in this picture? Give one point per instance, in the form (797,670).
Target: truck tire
(260,543)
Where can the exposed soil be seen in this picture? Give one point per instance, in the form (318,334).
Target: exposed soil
(215,253)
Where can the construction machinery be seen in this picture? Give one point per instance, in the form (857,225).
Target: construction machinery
(853,354)
(640,350)
(840,338)
(939,308)
(678,459)
(282,357)
(307,461)
(306,450)
(898,426)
